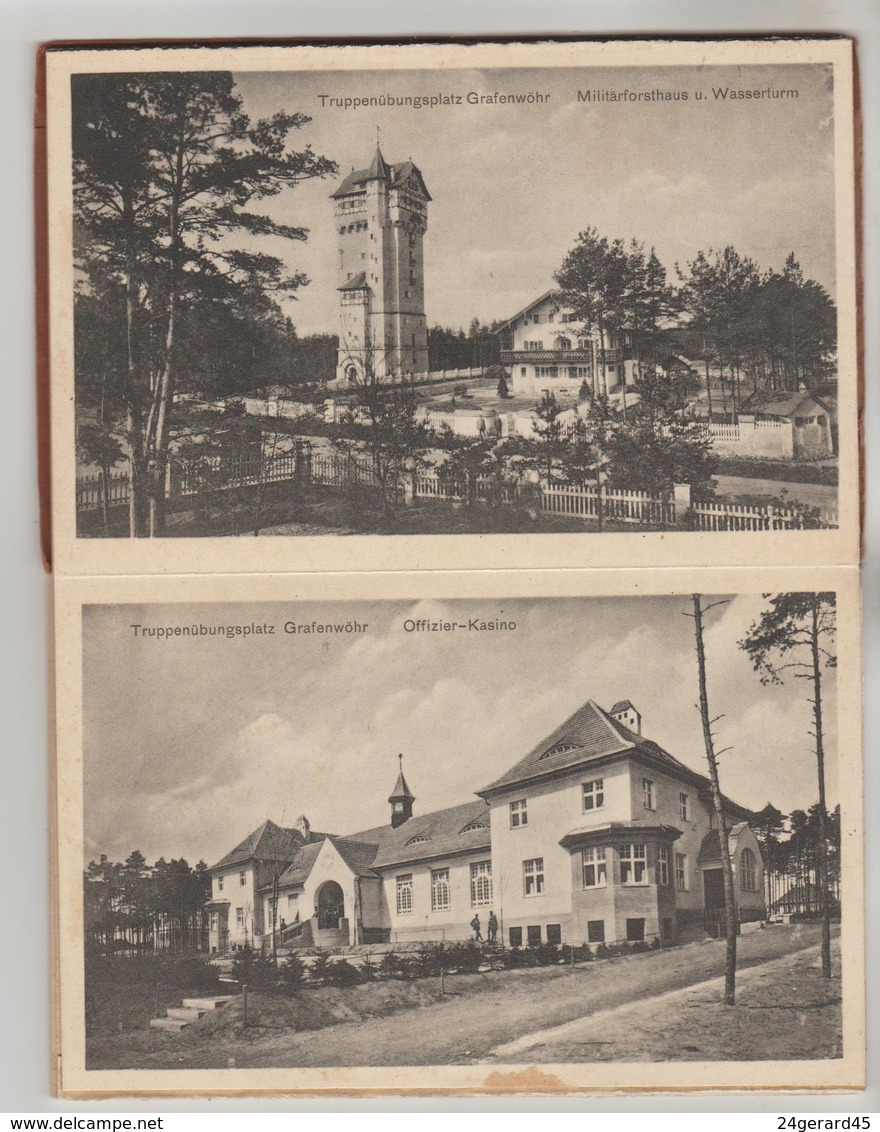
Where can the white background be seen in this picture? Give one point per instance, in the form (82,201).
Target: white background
(24,630)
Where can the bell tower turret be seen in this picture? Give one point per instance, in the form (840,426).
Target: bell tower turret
(401,799)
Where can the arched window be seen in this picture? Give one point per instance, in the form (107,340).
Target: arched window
(563,343)
(748,871)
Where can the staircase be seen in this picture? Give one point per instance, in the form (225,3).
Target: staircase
(177,1018)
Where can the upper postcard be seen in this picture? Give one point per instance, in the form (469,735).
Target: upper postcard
(510,305)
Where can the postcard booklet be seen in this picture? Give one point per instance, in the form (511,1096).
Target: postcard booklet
(454,511)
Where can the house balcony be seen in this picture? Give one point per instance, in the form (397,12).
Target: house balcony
(546,357)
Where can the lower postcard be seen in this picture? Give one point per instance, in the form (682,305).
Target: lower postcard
(491,832)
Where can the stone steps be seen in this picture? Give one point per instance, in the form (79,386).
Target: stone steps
(177,1018)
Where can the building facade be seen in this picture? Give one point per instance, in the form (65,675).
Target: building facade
(547,349)
(596,835)
(381,216)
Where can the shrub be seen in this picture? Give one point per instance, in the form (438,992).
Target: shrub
(655,943)
(467,957)
(430,960)
(341,973)
(292,973)
(255,969)
(410,966)
(547,954)
(320,964)
(513,958)
(390,966)
(602,951)
(368,969)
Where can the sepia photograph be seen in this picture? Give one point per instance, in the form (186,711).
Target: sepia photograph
(464,832)
(472,300)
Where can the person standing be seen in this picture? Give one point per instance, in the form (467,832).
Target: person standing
(475,924)
(492,929)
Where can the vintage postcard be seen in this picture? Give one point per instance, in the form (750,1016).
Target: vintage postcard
(469,305)
(490,832)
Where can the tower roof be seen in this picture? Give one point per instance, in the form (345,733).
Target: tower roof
(395,175)
(379,170)
(401,792)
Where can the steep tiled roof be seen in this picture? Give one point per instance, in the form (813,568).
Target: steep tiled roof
(356,283)
(358,855)
(621,705)
(301,865)
(429,835)
(525,310)
(587,734)
(269,842)
(396,175)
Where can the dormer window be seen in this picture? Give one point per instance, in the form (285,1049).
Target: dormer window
(419,839)
(559,749)
(472,826)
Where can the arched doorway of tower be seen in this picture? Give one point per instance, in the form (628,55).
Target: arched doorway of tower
(331,906)
(352,374)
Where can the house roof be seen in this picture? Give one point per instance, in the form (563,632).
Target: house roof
(401,789)
(774,405)
(622,705)
(710,847)
(435,835)
(589,734)
(395,175)
(268,842)
(531,306)
(356,283)
(301,865)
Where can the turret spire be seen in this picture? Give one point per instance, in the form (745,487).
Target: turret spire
(401,799)
(379,170)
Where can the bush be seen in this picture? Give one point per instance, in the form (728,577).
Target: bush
(431,960)
(546,954)
(320,965)
(390,966)
(655,943)
(255,969)
(602,952)
(466,957)
(341,973)
(292,973)
(514,958)
(368,969)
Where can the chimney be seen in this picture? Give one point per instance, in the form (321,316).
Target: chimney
(624,712)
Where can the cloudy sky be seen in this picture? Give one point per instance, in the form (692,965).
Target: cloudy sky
(191,743)
(513,185)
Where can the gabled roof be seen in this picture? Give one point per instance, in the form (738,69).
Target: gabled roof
(777,406)
(622,705)
(710,848)
(358,855)
(269,842)
(438,834)
(535,303)
(395,175)
(587,735)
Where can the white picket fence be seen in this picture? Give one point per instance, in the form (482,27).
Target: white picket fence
(712,516)
(334,470)
(621,506)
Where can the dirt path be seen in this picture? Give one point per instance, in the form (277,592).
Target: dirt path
(482,1012)
(812,494)
(795,1011)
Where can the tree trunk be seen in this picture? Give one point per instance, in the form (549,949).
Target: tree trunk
(730,917)
(821,861)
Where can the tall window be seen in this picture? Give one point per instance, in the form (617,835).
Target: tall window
(594,794)
(533,876)
(595,867)
(748,873)
(684,807)
(481,883)
(648,793)
(663,865)
(633,864)
(681,872)
(440,890)
(219,884)
(239,917)
(404,894)
(519,814)
(242,877)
